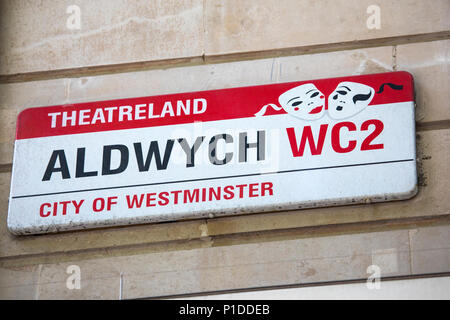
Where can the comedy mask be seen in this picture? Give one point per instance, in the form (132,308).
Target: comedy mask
(304,102)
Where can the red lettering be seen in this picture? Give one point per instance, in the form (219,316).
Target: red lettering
(203,194)
(213,192)
(47,209)
(253,190)
(336,137)
(229,192)
(175,194)
(267,187)
(151,197)
(98,205)
(190,197)
(241,189)
(110,203)
(164,198)
(64,205)
(135,201)
(41,211)
(77,206)
(379,126)
(298,150)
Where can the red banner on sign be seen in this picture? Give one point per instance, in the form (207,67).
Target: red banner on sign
(307,100)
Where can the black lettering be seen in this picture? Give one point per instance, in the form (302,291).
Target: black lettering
(153,150)
(64,168)
(124,156)
(260,146)
(212,149)
(190,151)
(80,173)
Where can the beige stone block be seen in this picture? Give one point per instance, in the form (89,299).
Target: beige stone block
(429,63)
(78,281)
(311,260)
(332,64)
(386,260)
(19,283)
(234,26)
(95,288)
(266,264)
(5,182)
(169,81)
(15,97)
(431,261)
(302,261)
(8,118)
(206,279)
(231,74)
(430,251)
(31,94)
(331,258)
(36,37)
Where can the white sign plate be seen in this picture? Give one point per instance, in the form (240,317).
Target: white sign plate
(222,152)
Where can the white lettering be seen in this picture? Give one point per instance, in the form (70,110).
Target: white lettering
(54,115)
(110,113)
(66,118)
(186,108)
(84,114)
(125,110)
(140,112)
(167,109)
(98,115)
(203,103)
(150,112)
(127,113)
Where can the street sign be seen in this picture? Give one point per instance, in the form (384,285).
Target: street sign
(211,153)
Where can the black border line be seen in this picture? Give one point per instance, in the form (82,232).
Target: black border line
(213,178)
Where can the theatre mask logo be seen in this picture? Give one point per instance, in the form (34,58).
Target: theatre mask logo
(274,147)
(306,102)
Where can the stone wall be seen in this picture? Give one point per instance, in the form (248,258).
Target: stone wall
(127,48)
